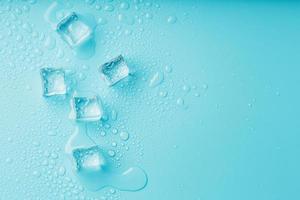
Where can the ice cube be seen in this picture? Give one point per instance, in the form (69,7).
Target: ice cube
(73,30)
(114,71)
(53,81)
(86,108)
(89,159)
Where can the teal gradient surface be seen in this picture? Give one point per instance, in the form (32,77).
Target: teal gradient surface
(220,120)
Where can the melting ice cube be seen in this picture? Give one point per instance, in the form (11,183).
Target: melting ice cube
(53,81)
(86,108)
(73,30)
(114,70)
(89,159)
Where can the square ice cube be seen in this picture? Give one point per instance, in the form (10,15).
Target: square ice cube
(53,81)
(114,71)
(89,159)
(86,108)
(73,30)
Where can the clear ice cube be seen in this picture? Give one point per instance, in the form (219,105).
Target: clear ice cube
(73,30)
(114,71)
(86,108)
(53,81)
(89,159)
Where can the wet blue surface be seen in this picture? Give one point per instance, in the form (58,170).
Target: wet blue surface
(210,112)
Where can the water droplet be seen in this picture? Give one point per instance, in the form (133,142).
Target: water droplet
(109,8)
(9,139)
(114,115)
(124,136)
(126,19)
(186,88)
(172,19)
(102,133)
(148,15)
(180,102)
(111,153)
(81,76)
(114,131)
(114,144)
(112,191)
(168,69)
(8,160)
(27,27)
(157,79)
(90,2)
(124,5)
(163,93)
(62,171)
(102,21)
(98,7)
(54,155)
(36,173)
(50,43)
(85,67)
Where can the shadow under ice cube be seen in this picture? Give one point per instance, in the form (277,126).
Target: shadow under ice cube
(73,30)
(86,108)
(53,81)
(114,71)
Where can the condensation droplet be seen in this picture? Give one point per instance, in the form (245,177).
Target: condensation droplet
(111,153)
(61,171)
(124,135)
(172,19)
(50,43)
(157,79)
(102,21)
(180,102)
(124,5)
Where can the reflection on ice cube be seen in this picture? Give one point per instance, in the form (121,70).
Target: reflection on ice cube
(86,108)
(53,81)
(114,70)
(73,30)
(89,159)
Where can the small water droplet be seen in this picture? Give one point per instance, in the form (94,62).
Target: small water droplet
(111,153)
(90,2)
(114,144)
(186,88)
(50,43)
(109,8)
(124,136)
(157,79)
(172,19)
(114,131)
(126,19)
(112,191)
(148,15)
(61,171)
(114,115)
(102,133)
(102,21)
(168,69)
(205,86)
(36,173)
(8,160)
(180,102)
(124,5)
(163,93)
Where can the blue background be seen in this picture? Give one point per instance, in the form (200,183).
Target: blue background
(227,129)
